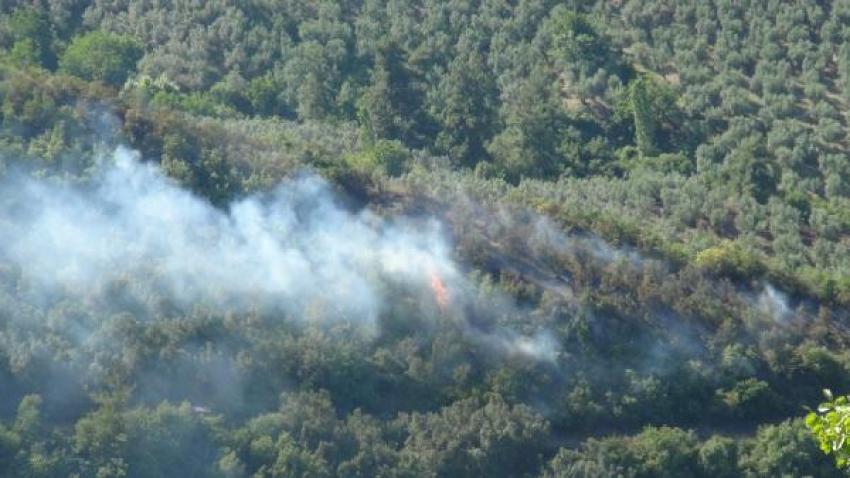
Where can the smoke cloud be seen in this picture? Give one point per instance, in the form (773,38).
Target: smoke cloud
(774,303)
(293,250)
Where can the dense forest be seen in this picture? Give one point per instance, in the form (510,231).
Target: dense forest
(420,238)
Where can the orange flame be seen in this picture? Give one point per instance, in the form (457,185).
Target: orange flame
(441,294)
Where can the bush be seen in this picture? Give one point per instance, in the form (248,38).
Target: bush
(386,157)
(729,258)
(750,398)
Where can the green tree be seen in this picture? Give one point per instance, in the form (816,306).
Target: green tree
(101,56)
(32,35)
(785,450)
(100,440)
(645,117)
(830,425)
(655,452)
(464,104)
(718,457)
(469,438)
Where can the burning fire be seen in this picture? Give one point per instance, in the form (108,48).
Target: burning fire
(441,294)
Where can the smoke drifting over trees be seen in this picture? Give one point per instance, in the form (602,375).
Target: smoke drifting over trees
(291,249)
(128,237)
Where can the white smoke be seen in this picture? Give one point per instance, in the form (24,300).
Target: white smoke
(291,249)
(541,347)
(294,249)
(547,235)
(774,303)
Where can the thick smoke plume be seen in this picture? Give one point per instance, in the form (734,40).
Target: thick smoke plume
(293,250)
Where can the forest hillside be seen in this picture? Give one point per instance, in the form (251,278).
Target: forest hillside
(420,238)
